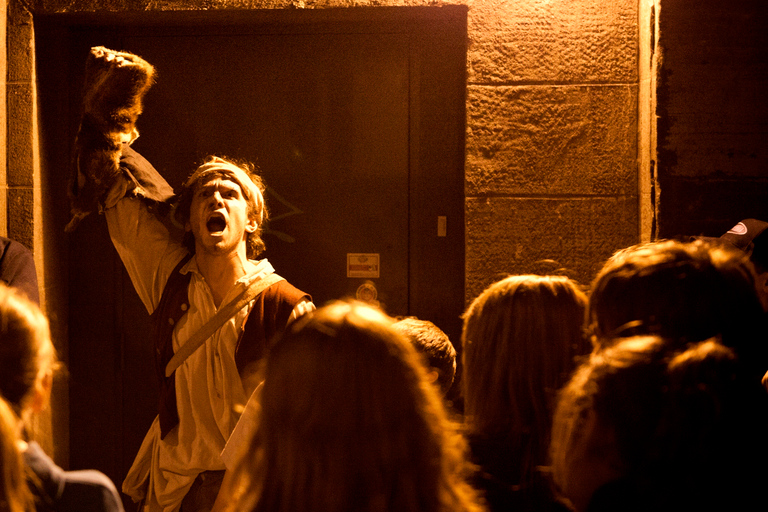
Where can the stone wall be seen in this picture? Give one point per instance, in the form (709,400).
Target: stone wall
(551,136)
(3,126)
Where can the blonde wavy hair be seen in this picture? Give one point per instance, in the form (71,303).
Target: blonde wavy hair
(350,422)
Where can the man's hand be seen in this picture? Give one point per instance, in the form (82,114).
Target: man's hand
(115,85)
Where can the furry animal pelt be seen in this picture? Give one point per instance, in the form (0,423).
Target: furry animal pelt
(115,85)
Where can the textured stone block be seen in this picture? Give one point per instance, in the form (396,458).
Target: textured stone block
(20,220)
(542,40)
(515,235)
(20,12)
(20,52)
(3,210)
(20,148)
(552,140)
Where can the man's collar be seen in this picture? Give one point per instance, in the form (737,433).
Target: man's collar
(263,267)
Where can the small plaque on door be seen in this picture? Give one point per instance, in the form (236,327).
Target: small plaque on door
(365,265)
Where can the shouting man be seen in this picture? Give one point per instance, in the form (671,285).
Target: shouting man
(214,306)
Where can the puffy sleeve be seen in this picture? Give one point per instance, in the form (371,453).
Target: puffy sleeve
(146,246)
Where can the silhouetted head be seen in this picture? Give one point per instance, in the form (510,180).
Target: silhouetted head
(434,345)
(751,237)
(14,493)
(350,422)
(520,340)
(647,425)
(686,292)
(27,356)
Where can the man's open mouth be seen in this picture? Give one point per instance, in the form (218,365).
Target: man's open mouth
(216,223)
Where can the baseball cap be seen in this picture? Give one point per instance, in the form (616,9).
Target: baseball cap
(743,234)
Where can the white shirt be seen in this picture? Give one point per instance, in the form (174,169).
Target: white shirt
(208,385)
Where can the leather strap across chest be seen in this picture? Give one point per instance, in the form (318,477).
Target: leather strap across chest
(222,315)
(269,315)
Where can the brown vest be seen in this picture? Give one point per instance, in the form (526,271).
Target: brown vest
(269,315)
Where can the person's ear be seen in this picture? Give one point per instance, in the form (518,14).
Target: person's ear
(42,394)
(761,284)
(763,278)
(251,226)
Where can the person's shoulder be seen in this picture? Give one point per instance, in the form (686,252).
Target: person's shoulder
(89,491)
(39,463)
(286,287)
(9,244)
(280,300)
(284,291)
(11,250)
(85,490)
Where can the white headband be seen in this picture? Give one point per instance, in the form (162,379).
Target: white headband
(236,174)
